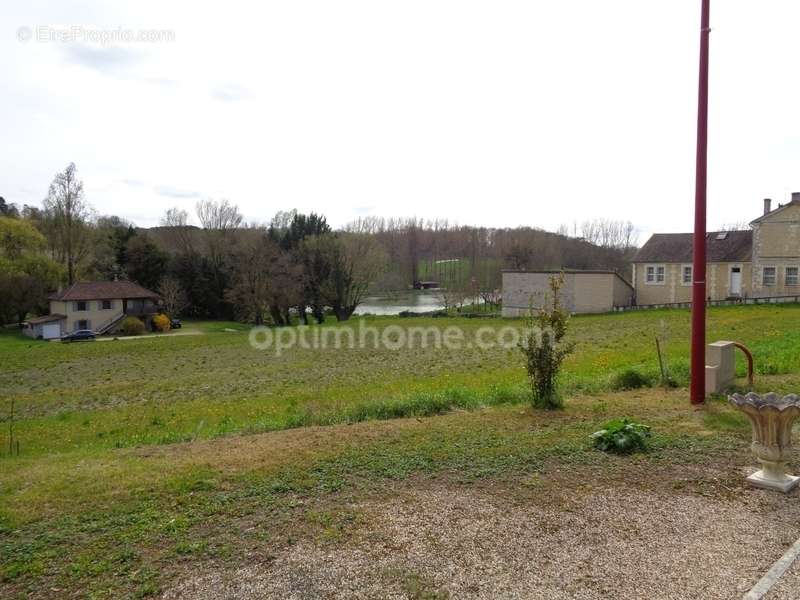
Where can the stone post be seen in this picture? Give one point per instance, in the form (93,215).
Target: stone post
(720,366)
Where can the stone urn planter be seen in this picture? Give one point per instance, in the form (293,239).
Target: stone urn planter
(772,417)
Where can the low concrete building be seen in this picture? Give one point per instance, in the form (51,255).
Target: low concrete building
(583,291)
(48,327)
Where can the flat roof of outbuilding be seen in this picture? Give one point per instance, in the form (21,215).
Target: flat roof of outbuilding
(572,272)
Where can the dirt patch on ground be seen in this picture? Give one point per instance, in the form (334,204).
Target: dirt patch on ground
(440,541)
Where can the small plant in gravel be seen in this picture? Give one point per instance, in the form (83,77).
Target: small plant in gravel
(622,436)
(544,348)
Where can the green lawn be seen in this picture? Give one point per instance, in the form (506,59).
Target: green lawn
(133,465)
(89,396)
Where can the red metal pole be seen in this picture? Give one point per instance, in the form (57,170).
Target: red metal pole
(698,360)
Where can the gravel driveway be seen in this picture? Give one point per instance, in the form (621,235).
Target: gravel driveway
(439,542)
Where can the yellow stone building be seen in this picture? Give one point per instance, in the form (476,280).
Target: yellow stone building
(760,262)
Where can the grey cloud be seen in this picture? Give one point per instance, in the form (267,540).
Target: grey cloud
(111,60)
(165,190)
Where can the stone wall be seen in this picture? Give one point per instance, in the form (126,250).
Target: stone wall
(673,290)
(95,314)
(776,243)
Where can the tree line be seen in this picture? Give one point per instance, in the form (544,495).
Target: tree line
(294,267)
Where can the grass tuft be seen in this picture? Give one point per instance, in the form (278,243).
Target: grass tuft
(630,379)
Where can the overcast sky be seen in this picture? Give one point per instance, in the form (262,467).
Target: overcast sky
(493,113)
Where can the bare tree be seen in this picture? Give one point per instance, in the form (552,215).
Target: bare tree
(736,226)
(218,218)
(251,292)
(177,220)
(413,249)
(285,287)
(266,282)
(66,217)
(369,224)
(452,297)
(219,215)
(356,261)
(519,255)
(609,234)
(390,284)
(173,296)
(491,298)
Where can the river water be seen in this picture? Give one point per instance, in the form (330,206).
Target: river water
(397,302)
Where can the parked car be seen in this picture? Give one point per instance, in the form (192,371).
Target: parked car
(175,324)
(81,335)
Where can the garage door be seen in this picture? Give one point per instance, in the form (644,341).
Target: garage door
(51,330)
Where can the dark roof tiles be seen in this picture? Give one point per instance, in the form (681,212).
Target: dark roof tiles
(736,246)
(103,290)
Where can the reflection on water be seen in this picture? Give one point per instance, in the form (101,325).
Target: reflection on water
(397,302)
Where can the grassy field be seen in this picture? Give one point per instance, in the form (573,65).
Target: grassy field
(143,458)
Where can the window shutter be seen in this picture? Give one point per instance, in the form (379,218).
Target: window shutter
(88,324)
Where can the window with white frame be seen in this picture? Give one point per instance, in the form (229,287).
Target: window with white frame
(768,276)
(654,274)
(792,274)
(686,274)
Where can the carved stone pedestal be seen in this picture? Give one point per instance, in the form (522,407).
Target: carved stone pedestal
(771,417)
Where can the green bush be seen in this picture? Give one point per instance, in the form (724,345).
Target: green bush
(630,379)
(544,348)
(622,436)
(132,326)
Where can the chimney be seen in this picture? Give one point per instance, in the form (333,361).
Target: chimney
(795,196)
(767,205)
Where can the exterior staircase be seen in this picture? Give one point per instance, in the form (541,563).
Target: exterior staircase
(107,325)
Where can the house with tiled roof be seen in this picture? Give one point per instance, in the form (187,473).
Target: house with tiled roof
(98,305)
(760,262)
